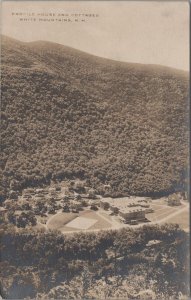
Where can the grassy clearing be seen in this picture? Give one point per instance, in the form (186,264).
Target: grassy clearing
(182,219)
(160,212)
(61,219)
(159,208)
(105,215)
(159,216)
(101,222)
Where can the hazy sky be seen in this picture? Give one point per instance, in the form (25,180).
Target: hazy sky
(143,32)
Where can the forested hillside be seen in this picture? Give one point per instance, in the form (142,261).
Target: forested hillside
(68,114)
(120,264)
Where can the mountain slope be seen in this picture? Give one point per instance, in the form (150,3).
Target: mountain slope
(66,113)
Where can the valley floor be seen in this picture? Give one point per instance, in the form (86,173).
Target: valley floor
(106,221)
(60,207)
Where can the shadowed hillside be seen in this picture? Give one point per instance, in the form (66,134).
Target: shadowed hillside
(69,114)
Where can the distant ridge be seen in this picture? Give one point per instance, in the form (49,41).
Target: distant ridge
(47,44)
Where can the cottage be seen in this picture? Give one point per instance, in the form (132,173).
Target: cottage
(40,195)
(3,210)
(39,190)
(107,187)
(13,194)
(28,192)
(52,189)
(27,197)
(153,243)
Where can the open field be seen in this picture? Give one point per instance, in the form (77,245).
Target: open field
(105,214)
(101,222)
(85,220)
(167,214)
(157,208)
(81,223)
(60,219)
(160,213)
(182,219)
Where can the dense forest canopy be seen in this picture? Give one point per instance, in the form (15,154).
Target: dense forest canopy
(106,265)
(68,114)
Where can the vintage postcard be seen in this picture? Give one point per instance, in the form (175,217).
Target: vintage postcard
(94,199)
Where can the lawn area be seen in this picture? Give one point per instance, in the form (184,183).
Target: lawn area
(160,213)
(182,219)
(101,223)
(180,215)
(161,208)
(161,201)
(106,215)
(61,219)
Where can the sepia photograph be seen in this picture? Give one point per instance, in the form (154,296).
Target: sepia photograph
(94,193)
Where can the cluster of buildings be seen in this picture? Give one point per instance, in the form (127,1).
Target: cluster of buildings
(132,209)
(39,192)
(57,197)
